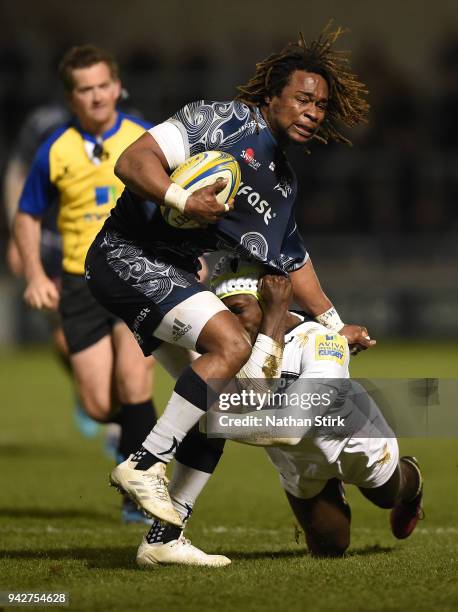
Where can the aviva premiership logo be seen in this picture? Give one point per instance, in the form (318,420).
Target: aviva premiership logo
(179,329)
(330,346)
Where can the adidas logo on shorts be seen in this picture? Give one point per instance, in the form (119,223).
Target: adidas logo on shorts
(179,329)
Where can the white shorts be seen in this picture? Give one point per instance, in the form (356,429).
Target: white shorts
(305,469)
(182,325)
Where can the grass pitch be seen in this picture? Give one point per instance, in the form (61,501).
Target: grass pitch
(60,526)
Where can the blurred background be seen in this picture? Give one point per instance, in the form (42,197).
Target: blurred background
(379,219)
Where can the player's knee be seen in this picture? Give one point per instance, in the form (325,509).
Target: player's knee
(97,408)
(386,503)
(134,388)
(234,351)
(328,545)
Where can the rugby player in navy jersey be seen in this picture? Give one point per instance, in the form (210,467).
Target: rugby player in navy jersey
(144,270)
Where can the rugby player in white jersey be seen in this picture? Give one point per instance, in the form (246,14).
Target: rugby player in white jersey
(313,467)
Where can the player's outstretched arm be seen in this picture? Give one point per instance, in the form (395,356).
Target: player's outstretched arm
(144,169)
(307,290)
(40,292)
(308,293)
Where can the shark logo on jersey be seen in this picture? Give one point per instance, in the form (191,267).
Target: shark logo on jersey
(254,199)
(284,187)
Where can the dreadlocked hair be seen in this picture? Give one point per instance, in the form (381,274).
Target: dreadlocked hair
(346,104)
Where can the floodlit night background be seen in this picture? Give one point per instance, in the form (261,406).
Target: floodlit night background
(379,219)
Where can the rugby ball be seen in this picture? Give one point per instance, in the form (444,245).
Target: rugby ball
(199,171)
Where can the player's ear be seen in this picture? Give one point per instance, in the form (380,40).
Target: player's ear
(118,88)
(69,100)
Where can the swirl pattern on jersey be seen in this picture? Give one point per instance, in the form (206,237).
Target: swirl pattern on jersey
(153,276)
(287,263)
(255,244)
(208,124)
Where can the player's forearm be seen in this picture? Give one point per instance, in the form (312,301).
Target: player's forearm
(142,168)
(273,326)
(15,176)
(307,290)
(27,232)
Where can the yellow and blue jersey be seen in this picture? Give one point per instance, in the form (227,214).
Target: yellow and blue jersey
(85,185)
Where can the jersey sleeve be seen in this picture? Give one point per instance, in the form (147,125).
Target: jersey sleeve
(39,192)
(293,251)
(196,121)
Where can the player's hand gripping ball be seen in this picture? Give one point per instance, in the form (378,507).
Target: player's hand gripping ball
(199,171)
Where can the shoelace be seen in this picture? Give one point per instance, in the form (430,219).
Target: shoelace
(184,541)
(159,486)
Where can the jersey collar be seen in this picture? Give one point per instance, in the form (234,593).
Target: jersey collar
(105,135)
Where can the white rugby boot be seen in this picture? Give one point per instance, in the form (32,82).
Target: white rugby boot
(147,488)
(177,552)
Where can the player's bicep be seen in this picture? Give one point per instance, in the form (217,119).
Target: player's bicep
(171,140)
(133,158)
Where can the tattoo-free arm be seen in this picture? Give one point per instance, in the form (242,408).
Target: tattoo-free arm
(40,291)
(307,290)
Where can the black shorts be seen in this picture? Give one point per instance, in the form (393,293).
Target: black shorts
(146,287)
(84,320)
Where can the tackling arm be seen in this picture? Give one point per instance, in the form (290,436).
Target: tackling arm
(265,360)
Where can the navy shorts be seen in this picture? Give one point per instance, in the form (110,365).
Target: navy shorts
(155,290)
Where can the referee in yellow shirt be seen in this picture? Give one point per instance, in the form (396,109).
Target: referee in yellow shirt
(75,164)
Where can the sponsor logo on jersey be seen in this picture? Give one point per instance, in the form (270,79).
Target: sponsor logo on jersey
(284,187)
(248,156)
(179,329)
(249,125)
(91,217)
(272,166)
(262,207)
(140,318)
(138,338)
(105,195)
(330,346)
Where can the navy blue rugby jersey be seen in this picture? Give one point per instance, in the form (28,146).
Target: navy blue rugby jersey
(262,224)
